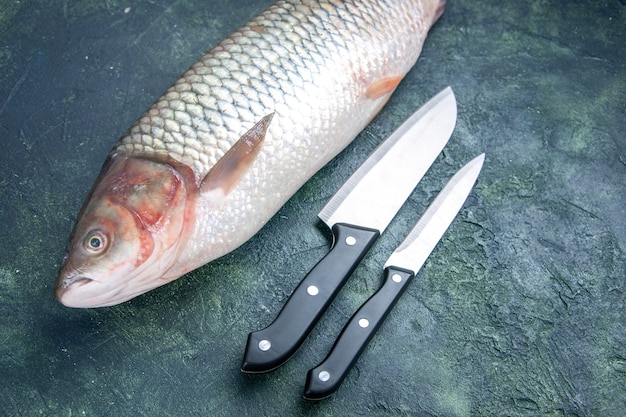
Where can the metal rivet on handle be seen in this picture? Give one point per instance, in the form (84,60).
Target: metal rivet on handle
(265,345)
(350,241)
(396,278)
(312,290)
(324,376)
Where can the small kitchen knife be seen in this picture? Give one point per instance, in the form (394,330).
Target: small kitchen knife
(357,214)
(399,269)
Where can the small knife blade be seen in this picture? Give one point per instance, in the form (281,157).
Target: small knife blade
(399,270)
(357,214)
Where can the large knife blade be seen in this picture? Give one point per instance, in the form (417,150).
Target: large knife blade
(399,270)
(357,214)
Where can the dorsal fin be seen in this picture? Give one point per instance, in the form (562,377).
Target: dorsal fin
(231,167)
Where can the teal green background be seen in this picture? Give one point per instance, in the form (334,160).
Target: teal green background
(519,311)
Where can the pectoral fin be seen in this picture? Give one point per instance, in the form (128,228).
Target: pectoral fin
(231,168)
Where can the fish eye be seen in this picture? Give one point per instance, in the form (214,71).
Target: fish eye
(95,242)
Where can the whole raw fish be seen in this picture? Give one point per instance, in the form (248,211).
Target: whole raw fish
(225,147)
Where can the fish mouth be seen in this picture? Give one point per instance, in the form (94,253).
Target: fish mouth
(84,292)
(67,287)
(74,281)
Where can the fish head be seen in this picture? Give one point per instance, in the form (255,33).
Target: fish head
(126,235)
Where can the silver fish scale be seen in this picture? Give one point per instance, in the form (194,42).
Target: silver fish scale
(308,61)
(324,69)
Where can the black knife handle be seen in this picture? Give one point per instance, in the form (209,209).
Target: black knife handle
(325,378)
(269,348)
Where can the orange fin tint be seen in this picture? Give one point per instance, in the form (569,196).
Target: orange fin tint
(230,169)
(382,87)
(441,6)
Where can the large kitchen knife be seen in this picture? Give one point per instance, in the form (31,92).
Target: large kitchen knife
(357,214)
(400,269)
